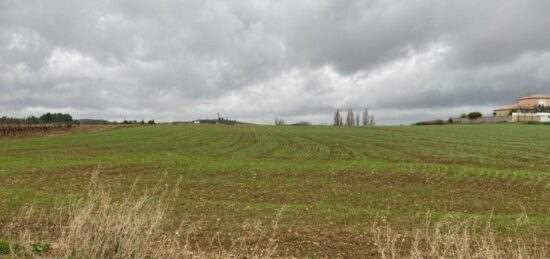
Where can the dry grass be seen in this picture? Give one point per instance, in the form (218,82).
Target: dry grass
(135,226)
(448,238)
(101,227)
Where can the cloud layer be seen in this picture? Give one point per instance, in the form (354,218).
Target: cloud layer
(253,60)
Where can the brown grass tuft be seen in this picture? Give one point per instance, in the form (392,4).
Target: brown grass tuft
(102,227)
(448,238)
(137,226)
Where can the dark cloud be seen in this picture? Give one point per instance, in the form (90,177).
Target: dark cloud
(175,60)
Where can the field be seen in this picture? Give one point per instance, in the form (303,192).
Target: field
(332,186)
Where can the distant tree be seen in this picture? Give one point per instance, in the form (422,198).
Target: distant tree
(68,118)
(350,119)
(94,121)
(357,120)
(371,120)
(302,123)
(46,118)
(337,118)
(541,108)
(55,118)
(33,120)
(474,115)
(152,122)
(433,122)
(279,122)
(366,117)
(65,118)
(463,115)
(133,122)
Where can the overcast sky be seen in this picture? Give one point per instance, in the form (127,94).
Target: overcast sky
(406,60)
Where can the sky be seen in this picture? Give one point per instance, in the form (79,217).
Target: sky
(176,60)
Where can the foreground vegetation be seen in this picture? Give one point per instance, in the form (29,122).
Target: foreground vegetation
(262,191)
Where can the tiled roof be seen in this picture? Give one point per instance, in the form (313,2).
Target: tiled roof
(535,96)
(509,107)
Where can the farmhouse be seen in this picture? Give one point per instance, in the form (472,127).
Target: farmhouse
(526,104)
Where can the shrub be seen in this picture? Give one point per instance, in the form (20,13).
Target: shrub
(302,123)
(474,115)
(541,108)
(434,122)
(39,247)
(4,248)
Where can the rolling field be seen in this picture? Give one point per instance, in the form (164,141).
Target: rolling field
(330,184)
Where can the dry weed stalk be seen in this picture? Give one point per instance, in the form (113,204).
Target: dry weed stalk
(450,239)
(102,227)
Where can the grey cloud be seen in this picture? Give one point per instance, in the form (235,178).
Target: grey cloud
(357,35)
(174,60)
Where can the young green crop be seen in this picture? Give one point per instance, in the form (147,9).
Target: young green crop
(334,180)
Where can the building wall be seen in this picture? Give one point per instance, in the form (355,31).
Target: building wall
(524,104)
(495,119)
(532,102)
(501,113)
(530,117)
(544,117)
(525,117)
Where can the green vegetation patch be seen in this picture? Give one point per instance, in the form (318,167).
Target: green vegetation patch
(4,247)
(333,181)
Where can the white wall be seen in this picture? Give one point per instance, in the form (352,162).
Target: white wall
(541,116)
(544,117)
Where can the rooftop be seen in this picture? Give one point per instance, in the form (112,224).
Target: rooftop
(509,107)
(531,96)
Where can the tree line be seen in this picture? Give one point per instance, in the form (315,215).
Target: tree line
(138,122)
(353,120)
(63,118)
(44,119)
